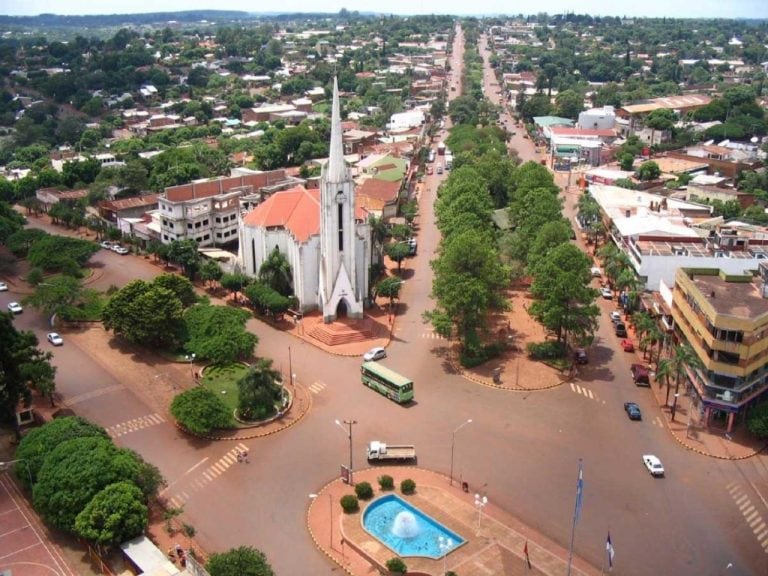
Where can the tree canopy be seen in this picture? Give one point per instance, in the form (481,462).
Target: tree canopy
(115,514)
(217,333)
(242,561)
(200,410)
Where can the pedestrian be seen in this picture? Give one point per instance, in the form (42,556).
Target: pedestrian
(239,456)
(245,456)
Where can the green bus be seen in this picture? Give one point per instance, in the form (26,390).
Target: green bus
(387,382)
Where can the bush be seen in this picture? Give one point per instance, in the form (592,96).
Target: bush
(242,561)
(396,566)
(407,486)
(349,504)
(364,491)
(386,482)
(200,410)
(545,350)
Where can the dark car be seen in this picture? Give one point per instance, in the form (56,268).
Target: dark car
(633,411)
(640,375)
(620,329)
(580,356)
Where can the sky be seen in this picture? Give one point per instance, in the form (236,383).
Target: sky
(648,8)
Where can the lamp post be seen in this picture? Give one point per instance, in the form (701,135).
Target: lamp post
(481,502)
(674,405)
(330,516)
(348,431)
(453,442)
(444,544)
(191,358)
(29,472)
(290,366)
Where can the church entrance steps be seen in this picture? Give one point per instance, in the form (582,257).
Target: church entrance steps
(343,331)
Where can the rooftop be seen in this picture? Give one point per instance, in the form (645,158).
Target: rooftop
(731,298)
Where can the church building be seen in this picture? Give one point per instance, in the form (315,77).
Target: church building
(322,233)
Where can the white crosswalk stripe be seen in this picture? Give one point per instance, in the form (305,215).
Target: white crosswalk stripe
(584,391)
(658,422)
(430,335)
(317,387)
(206,476)
(135,424)
(751,514)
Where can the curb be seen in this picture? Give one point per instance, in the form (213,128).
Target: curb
(314,539)
(703,453)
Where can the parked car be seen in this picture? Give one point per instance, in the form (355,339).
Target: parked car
(640,375)
(3,286)
(122,250)
(627,345)
(375,354)
(606,293)
(439,168)
(106,244)
(55,339)
(620,329)
(653,464)
(412,246)
(580,356)
(633,411)
(430,170)
(15,308)
(615,316)
(596,272)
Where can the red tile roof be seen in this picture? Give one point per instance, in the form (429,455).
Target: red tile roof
(379,189)
(296,209)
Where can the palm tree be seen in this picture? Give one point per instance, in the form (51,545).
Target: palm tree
(378,236)
(276,273)
(683,356)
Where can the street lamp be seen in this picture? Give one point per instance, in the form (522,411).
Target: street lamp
(481,502)
(29,472)
(191,358)
(453,442)
(674,405)
(444,544)
(348,432)
(330,515)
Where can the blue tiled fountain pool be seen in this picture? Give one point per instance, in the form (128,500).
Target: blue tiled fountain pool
(408,531)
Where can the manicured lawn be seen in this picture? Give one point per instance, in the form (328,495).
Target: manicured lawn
(223,381)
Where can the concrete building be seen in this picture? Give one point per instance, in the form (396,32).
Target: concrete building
(725,320)
(598,118)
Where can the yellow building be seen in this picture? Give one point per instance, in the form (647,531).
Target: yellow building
(725,320)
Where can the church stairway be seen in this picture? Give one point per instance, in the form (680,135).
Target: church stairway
(343,331)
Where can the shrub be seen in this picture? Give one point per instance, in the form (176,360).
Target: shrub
(364,491)
(349,504)
(407,486)
(386,482)
(200,410)
(545,350)
(396,566)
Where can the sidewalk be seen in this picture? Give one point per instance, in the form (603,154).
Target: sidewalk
(498,547)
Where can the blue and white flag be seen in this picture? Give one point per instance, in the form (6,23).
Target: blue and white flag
(579,493)
(609,549)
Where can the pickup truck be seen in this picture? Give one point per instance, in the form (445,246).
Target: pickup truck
(390,452)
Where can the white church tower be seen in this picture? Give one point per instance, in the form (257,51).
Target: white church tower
(341,292)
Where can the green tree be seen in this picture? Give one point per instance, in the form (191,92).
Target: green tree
(235,283)
(211,271)
(39,442)
(569,104)
(74,472)
(682,358)
(276,273)
(144,314)
(242,561)
(20,241)
(258,391)
(397,252)
(217,333)
(648,171)
(660,119)
(185,254)
(389,287)
(180,286)
(200,410)
(114,515)
(549,237)
(626,162)
(757,420)
(564,300)
(55,253)
(57,295)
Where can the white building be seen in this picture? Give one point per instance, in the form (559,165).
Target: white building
(322,233)
(598,118)
(406,120)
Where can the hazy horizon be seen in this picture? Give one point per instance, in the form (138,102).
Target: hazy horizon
(649,8)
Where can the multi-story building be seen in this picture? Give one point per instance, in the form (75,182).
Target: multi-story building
(725,320)
(208,211)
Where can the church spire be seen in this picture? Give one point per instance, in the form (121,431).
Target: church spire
(336,170)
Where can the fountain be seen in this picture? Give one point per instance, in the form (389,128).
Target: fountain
(405,525)
(406,530)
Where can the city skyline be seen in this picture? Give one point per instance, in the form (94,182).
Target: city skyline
(650,8)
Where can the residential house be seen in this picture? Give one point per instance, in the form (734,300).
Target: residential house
(633,115)
(50,196)
(379,197)
(135,207)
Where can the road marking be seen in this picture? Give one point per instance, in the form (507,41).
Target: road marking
(317,387)
(93,394)
(431,335)
(584,391)
(751,515)
(135,424)
(657,421)
(207,476)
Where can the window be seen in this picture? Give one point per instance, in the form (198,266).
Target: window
(207,237)
(341,227)
(205,222)
(218,220)
(189,225)
(218,234)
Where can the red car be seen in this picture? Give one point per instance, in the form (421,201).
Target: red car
(429,170)
(627,345)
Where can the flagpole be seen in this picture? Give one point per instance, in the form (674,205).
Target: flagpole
(576,510)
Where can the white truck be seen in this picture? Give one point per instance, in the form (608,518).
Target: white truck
(379,451)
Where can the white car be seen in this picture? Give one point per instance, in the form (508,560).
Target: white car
(596,272)
(653,464)
(615,316)
(106,244)
(375,354)
(607,293)
(15,308)
(55,339)
(121,250)
(3,286)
